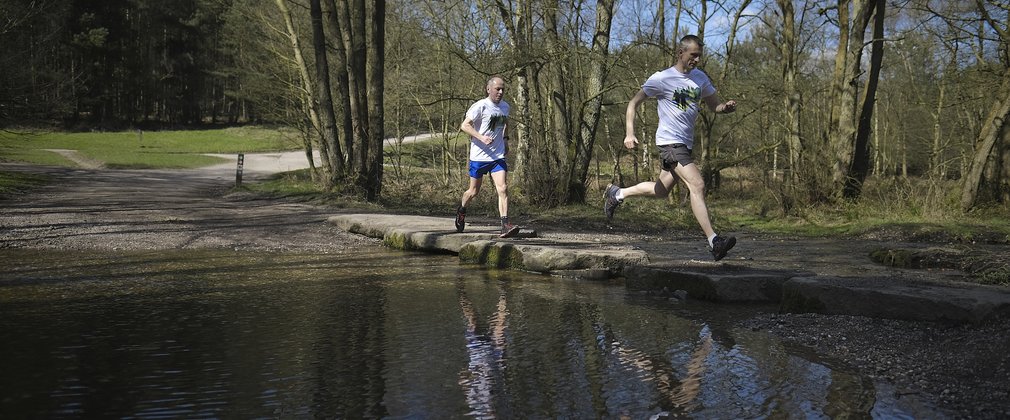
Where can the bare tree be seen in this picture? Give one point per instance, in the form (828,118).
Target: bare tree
(599,51)
(860,163)
(843,142)
(309,108)
(791,95)
(329,138)
(995,127)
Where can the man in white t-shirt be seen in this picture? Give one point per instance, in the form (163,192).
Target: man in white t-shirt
(487,124)
(679,91)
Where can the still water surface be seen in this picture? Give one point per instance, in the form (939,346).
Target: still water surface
(378,333)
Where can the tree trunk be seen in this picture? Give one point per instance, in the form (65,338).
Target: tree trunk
(995,124)
(838,76)
(709,171)
(860,165)
(376,40)
(675,37)
(308,98)
(843,143)
(791,94)
(327,120)
(338,69)
(352,28)
(594,94)
(548,163)
(516,24)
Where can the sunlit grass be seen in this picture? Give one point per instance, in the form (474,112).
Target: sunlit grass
(147,149)
(34,156)
(12,183)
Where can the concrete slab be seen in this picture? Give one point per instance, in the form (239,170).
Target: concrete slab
(885,298)
(815,275)
(716,286)
(481,245)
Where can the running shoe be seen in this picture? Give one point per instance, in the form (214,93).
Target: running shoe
(721,245)
(611,202)
(460,219)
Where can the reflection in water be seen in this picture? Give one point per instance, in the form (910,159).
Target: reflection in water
(385,334)
(486,355)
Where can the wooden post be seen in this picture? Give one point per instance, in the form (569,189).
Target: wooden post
(238,171)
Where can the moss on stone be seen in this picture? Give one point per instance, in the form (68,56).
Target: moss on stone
(398,240)
(504,256)
(492,254)
(893,257)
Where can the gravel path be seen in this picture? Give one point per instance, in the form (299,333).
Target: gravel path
(963,369)
(150,210)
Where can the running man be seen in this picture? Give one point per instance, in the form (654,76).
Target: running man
(679,90)
(487,124)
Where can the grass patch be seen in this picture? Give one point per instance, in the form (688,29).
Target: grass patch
(15,183)
(144,150)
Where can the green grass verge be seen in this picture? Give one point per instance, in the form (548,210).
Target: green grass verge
(143,150)
(14,183)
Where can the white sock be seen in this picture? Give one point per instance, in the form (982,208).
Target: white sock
(619,195)
(710,238)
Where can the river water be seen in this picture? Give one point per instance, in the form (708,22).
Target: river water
(379,333)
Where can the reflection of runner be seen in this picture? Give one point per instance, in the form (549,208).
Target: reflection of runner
(682,395)
(484,369)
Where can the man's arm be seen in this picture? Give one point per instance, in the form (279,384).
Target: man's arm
(468,128)
(719,108)
(630,141)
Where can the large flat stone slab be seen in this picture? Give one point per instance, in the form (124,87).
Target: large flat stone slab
(806,281)
(887,298)
(716,286)
(415,233)
(552,259)
(481,245)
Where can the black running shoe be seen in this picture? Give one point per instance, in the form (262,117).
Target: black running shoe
(610,201)
(460,219)
(721,245)
(508,231)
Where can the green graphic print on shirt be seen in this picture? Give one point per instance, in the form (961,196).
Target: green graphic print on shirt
(684,98)
(497,121)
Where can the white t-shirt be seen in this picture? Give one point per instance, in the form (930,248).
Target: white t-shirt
(488,118)
(679,97)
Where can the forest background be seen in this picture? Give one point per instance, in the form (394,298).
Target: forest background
(897,107)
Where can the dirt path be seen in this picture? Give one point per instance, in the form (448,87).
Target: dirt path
(93,208)
(158,209)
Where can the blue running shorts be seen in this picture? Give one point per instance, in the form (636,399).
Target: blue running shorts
(479,169)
